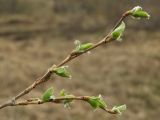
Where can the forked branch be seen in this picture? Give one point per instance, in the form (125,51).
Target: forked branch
(115,34)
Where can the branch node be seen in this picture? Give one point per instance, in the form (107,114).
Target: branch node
(51,69)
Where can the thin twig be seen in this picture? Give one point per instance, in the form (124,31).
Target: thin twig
(71,56)
(58,101)
(126,14)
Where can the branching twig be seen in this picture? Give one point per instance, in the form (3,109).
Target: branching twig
(71,56)
(136,12)
(57,101)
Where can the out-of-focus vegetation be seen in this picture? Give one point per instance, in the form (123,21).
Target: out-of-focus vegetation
(69,17)
(34,34)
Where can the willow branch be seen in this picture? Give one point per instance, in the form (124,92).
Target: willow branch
(60,100)
(70,57)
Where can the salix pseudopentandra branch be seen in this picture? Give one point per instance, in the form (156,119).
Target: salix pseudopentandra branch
(95,101)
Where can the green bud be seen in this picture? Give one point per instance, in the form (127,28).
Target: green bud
(62,93)
(62,71)
(97,102)
(119,109)
(141,14)
(118,32)
(138,13)
(66,102)
(85,47)
(82,47)
(48,95)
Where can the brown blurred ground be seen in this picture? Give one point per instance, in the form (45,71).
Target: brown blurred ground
(36,34)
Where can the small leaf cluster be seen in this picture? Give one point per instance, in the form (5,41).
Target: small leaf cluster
(62,71)
(67,102)
(118,32)
(97,102)
(80,48)
(119,109)
(48,95)
(94,101)
(138,13)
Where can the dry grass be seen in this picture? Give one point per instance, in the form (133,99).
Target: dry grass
(43,32)
(126,72)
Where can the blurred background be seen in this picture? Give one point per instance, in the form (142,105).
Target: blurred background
(34,34)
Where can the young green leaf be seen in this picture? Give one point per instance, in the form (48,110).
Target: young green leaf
(97,102)
(82,47)
(93,102)
(66,102)
(62,93)
(118,32)
(48,95)
(85,47)
(138,13)
(141,14)
(119,109)
(62,71)
(102,103)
